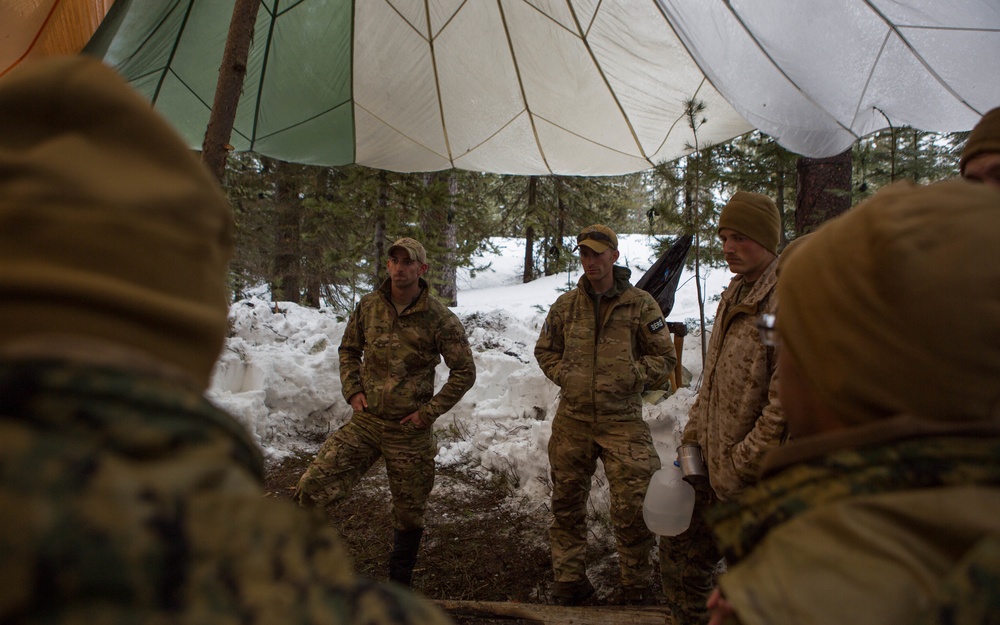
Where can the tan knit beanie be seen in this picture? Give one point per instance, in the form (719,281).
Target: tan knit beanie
(894,307)
(755,216)
(109,226)
(985,137)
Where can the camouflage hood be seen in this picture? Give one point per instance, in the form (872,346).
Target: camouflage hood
(859,467)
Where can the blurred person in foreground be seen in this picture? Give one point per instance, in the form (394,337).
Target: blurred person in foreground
(885,507)
(392,345)
(125,496)
(603,344)
(736,417)
(981,156)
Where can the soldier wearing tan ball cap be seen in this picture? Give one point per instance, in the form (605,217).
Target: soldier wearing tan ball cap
(392,344)
(603,344)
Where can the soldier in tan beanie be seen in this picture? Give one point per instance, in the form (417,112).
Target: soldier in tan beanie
(736,416)
(981,156)
(885,508)
(125,496)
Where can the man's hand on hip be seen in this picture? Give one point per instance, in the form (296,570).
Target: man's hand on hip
(359,401)
(415,419)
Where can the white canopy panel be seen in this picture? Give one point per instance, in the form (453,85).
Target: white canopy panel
(542,86)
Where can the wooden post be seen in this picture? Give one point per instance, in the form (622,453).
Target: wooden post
(544,614)
(227,91)
(675,377)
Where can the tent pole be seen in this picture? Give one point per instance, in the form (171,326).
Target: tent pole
(227,91)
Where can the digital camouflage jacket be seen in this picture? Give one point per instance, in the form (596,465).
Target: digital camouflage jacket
(603,360)
(894,532)
(392,358)
(737,416)
(129,498)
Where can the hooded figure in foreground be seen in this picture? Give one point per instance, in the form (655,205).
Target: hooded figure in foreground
(885,507)
(125,496)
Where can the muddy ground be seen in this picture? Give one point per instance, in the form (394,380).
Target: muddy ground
(481,542)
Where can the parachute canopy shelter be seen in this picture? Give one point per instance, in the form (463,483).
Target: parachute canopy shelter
(578,87)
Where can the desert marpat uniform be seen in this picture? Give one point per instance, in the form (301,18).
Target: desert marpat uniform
(905,530)
(602,368)
(391,358)
(735,419)
(129,498)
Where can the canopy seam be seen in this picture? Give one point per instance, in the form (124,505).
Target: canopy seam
(607,83)
(520,86)
(937,77)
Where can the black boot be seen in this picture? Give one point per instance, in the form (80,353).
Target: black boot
(404,555)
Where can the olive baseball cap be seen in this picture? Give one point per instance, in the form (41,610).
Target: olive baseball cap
(598,238)
(412,247)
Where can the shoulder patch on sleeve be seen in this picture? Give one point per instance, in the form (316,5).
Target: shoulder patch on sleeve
(657,325)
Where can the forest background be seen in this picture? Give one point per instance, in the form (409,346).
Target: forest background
(318,236)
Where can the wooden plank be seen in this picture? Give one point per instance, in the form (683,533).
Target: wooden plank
(542,614)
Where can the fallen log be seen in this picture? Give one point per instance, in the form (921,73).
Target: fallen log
(542,614)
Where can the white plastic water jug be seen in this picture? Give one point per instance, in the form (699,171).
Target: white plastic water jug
(669,502)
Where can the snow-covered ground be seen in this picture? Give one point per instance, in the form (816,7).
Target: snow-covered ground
(279,373)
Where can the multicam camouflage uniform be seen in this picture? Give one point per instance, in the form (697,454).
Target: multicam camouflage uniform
(128,498)
(602,368)
(868,531)
(735,419)
(391,358)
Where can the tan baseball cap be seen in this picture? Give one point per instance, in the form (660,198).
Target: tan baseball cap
(412,247)
(598,238)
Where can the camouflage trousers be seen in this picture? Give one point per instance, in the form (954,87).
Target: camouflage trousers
(626,450)
(348,454)
(688,562)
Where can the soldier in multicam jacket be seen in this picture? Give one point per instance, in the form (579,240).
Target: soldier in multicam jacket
(603,343)
(391,347)
(885,506)
(736,415)
(125,496)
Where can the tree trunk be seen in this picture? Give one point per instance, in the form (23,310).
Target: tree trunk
(448,287)
(780,201)
(440,234)
(824,190)
(529,233)
(379,262)
(230,84)
(560,214)
(313,254)
(287,265)
(691,198)
(529,246)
